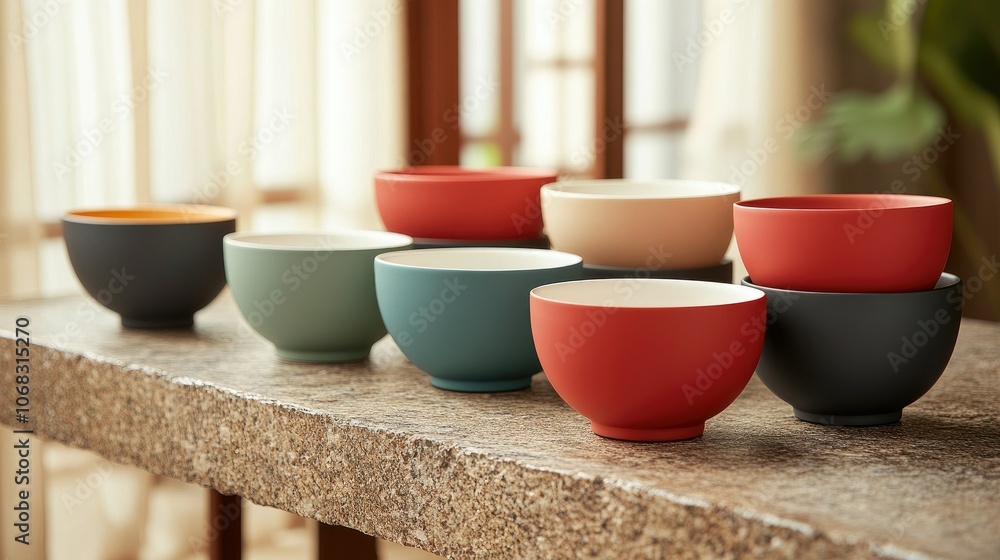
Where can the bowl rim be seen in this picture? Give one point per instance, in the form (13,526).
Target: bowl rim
(750,294)
(946,281)
(726,262)
(462,174)
(864,204)
(179,214)
(563,188)
(389,240)
(559,259)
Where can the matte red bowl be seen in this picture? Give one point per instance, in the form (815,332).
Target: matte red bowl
(451,202)
(647,360)
(845,242)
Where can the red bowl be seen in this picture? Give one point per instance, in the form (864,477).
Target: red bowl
(451,202)
(845,242)
(648,360)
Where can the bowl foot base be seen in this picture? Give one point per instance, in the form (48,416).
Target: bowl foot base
(481,386)
(324,357)
(175,323)
(848,420)
(654,434)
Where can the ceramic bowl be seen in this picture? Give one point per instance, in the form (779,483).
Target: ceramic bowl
(541,242)
(722,272)
(451,202)
(850,359)
(647,360)
(461,315)
(311,294)
(845,243)
(154,265)
(641,224)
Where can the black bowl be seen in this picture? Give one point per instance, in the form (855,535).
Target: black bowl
(722,273)
(153,265)
(857,359)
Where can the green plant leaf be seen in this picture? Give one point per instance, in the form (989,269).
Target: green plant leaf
(884,126)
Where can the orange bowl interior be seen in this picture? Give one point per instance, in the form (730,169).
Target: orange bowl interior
(179,214)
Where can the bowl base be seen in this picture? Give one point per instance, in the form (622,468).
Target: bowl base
(847,420)
(175,323)
(481,386)
(652,434)
(324,357)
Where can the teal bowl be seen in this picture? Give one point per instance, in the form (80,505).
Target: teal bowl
(461,315)
(310,294)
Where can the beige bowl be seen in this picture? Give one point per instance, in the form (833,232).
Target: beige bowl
(656,225)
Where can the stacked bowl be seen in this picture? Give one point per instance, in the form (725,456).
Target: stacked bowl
(861,318)
(457,305)
(450,206)
(643,229)
(656,339)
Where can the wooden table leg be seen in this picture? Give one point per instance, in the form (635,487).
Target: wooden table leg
(225,514)
(343,543)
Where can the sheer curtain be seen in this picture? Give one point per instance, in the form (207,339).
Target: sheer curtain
(761,75)
(231,102)
(114,102)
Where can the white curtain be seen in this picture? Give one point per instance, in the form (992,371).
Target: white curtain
(757,82)
(118,102)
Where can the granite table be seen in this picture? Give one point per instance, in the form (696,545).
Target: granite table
(372,446)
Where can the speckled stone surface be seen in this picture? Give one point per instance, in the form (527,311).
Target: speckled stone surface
(517,475)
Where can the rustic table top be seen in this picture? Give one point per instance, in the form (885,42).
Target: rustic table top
(514,475)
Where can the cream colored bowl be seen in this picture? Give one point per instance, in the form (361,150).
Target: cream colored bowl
(655,225)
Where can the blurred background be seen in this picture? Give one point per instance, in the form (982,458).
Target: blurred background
(284,109)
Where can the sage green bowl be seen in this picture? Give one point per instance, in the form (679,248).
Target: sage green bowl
(311,294)
(461,315)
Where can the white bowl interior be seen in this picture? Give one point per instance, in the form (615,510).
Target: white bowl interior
(481,259)
(646,293)
(321,241)
(624,188)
